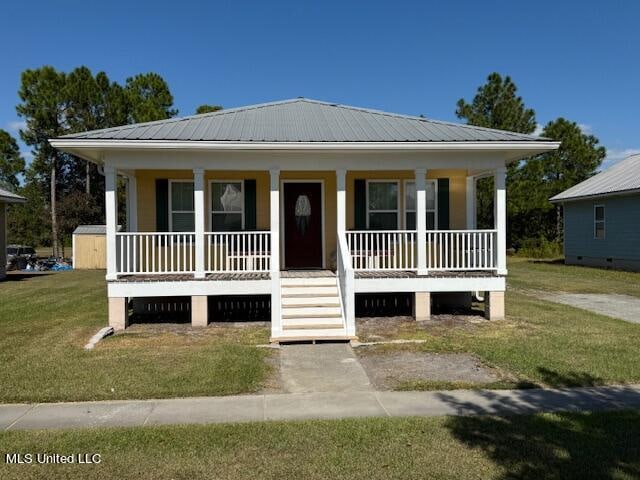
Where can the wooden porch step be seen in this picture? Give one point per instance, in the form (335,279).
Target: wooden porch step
(319,323)
(299,302)
(308,282)
(311,312)
(309,292)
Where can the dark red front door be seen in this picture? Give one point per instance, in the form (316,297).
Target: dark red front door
(303,225)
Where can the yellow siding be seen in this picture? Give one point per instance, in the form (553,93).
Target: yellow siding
(147,200)
(90,252)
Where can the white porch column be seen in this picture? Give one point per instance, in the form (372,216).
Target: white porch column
(132,204)
(471,203)
(341,214)
(198,211)
(500,215)
(274,222)
(111,215)
(421,220)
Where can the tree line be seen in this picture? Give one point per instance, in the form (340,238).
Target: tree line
(64,191)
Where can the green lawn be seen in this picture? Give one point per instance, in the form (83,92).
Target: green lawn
(561,446)
(543,343)
(47,319)
(554,276)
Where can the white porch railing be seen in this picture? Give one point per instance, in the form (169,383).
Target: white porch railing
(237,251)
(373,250)
(155,253)
(175,252)
(382,249)
(346,285)
(461,249)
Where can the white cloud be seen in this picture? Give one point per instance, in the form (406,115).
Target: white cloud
(538,131)
(16,126)
(615,155)
(586,129)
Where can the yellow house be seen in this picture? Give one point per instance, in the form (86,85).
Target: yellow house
(308,202)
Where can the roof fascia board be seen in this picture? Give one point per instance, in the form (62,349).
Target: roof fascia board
(398,146)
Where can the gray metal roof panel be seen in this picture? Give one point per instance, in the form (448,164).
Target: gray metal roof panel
(623,176)
(92,229)
(303,120)
(9,196)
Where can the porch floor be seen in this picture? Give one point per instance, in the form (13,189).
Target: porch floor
(178,277)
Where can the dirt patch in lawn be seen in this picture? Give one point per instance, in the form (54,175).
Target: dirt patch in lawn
(371,329)
(393,370)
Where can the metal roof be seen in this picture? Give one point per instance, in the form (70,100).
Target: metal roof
(303,120)
(92,229)
(10,197)
(623,177)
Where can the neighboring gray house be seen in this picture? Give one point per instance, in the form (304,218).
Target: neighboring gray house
(5,197)
(602,218)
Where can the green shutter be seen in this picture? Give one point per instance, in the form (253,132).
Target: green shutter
(162,205)
(360,204)
(443,204)
(250,204)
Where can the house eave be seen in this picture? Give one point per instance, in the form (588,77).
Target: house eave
(89,149)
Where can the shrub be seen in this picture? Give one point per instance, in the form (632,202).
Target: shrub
(539,248)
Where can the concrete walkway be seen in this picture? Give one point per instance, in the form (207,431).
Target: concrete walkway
(321,405)
(624,307)
(325,367)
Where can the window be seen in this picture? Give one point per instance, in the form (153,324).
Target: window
(598,222)
(382,205)
(410,204)
(181,214)
(227,205)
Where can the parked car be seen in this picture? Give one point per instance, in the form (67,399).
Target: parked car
(18,256)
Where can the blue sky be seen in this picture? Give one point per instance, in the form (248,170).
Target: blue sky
(577,59)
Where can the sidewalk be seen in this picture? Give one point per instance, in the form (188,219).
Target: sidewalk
(327,405)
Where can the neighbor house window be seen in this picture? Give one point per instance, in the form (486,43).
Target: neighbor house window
(227,205)
(410,204)
(181,214)
(598,222)
(383,205)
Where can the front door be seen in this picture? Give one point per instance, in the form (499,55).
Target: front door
(302,225)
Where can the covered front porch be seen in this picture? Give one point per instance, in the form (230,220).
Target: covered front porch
(373,231)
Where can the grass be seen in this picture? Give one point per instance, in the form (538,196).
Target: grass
(527,274)
(47,319)
(542,343)
(562,446)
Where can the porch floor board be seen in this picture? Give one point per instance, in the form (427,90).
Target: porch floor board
(181,277)
(433,274)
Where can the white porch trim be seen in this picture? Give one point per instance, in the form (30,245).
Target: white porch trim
(198,213)
(111,217)
(274,218)
(421,219)
(500,215)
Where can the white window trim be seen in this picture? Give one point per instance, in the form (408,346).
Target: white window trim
(603,221)
(171,211)
(210,196)
(397,211)
(434,210)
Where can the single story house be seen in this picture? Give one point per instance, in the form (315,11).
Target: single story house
(602,218)
(306,202)
(6,197)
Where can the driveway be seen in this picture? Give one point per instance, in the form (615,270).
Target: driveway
(624,307)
